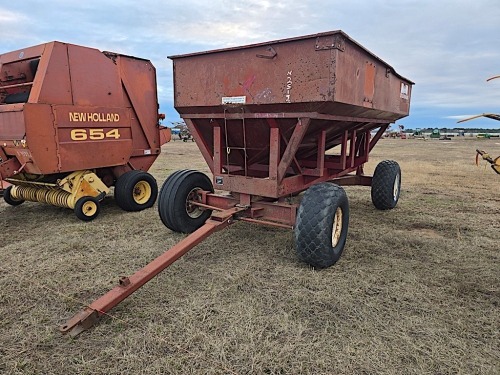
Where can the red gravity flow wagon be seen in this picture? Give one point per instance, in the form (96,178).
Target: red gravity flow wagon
(272,120)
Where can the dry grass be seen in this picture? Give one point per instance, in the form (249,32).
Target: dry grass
(416,291)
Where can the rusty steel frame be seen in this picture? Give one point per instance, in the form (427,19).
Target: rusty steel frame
(258,200)
(285,173)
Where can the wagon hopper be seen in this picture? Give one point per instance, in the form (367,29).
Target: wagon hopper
(74,122)
(272,120)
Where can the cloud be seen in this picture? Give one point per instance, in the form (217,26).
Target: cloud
(9,17)
(11,24)
(459,117)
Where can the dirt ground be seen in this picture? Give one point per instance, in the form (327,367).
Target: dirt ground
(415,292)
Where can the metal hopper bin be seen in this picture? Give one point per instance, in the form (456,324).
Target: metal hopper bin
(272,120)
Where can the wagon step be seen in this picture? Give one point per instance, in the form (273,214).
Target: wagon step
(128,285)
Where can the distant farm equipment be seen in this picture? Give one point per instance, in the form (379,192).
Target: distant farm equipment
(402,134)
(74,122)
(395,133)
(495,163)
(181,131)
(487,135)
(436,133)
(418,134)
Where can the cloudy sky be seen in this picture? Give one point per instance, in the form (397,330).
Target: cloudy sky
(448,48)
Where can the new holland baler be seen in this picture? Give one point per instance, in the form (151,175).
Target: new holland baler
(75,121)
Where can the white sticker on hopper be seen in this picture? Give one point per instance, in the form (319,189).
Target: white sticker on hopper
(404,90)
(234,99)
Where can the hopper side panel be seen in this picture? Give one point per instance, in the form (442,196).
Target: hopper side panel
(364,81)
(355,72)
(289,73)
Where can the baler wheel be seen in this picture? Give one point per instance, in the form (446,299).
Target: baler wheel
(7,197)
(136,191)
(87,208)
(386,185)
(174,204)
(322,224)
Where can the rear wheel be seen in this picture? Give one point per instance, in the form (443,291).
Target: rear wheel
(87,208)
(136,191)
(7,197)
(386,185)
(175,202)
(322,224)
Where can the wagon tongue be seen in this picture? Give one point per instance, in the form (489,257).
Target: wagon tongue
(80,322)
(128,285)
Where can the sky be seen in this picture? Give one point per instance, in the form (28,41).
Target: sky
(448,48)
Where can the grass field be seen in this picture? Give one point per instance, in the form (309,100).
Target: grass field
(415,292)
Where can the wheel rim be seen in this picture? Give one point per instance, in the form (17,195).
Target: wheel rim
(337,227)
(142,192)
(89,208)
(395,189)
(194,211)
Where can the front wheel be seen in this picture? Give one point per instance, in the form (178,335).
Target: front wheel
(176,203)
(321,225)
(386,185)
(7,197)
(87,208)
(136,191)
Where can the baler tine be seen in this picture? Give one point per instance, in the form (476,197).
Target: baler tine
(128,285)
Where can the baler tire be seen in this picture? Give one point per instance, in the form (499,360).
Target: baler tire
(386,185)
(87,208)
(322,224)
(136,191)
(7,197)
(173,207)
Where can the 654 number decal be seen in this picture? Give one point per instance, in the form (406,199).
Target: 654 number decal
(93,134)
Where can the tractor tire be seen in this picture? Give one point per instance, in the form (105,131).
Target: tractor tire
(174,208)
(321,226)
(136,191)
(386,185)
(87,208)
(7,197)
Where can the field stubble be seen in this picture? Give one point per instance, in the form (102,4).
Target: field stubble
(415,292)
